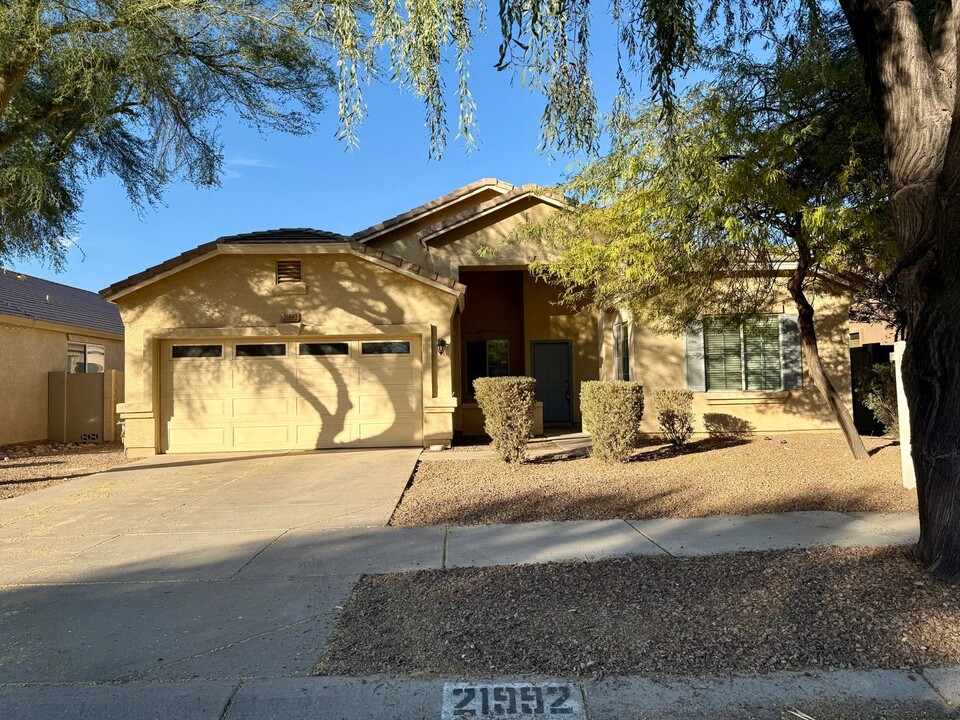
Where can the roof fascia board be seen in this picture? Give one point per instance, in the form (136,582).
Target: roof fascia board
(287,248)
(428,234)
(33,323)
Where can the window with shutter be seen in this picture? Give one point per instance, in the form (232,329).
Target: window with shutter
(288,271)
(743,356)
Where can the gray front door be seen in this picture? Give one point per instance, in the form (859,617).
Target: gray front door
(551,368)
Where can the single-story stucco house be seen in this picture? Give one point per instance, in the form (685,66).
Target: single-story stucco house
(302,338)
(46,327)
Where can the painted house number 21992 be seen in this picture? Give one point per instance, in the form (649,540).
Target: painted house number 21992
(463,700)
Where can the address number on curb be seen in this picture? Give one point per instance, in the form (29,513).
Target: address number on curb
(518,700)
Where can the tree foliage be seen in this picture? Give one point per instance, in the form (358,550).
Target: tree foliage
(774,163)
(135,89)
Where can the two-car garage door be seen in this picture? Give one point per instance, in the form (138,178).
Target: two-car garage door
(274,394)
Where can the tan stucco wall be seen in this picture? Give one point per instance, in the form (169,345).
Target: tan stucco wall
(658,361)
(231,295)
(27,355)
(447,254)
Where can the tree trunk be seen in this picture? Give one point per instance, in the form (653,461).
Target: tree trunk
(814,365)
(913,85)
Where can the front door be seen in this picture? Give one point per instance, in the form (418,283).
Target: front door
(551,368)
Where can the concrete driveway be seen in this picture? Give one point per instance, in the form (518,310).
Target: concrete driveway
(182,567)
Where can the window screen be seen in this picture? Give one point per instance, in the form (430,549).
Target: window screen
(722,350)
(261,350)
(288,271)
(324,349)
(385,348)
(197,351)
(761,352)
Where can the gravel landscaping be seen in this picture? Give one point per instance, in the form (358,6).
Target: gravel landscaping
(33,466)
(747,612)
(811,471)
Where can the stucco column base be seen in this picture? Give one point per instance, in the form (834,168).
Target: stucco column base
(438,421)
(139,429)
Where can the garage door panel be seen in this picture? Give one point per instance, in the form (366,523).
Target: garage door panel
(261,437)
(388,433)
(324,435)
(194,376)
(322,380)
(388,375)
(291,401)
(263,374)
(260,407)
(386,405)
(191,409)
(196,438)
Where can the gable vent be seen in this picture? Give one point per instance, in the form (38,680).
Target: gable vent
(288,271)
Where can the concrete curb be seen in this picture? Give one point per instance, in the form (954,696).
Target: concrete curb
(851,694)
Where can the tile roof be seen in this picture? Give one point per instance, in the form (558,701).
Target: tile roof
(33,298)
(410,215)
(281,236)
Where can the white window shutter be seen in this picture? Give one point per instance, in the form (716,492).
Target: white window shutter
(696,375)
(791,353)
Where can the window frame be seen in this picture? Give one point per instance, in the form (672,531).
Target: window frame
(486,360)
(72,346)
(345,345)
(405,353)
(742,329)
(621,350)
(173,349)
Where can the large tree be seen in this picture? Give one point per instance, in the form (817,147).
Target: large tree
(773,176)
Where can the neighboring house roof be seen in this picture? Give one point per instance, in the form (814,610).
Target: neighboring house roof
(439,203)
(281,236)
(516,194)
(32,298)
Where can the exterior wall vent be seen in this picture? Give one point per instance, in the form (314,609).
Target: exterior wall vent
(288,271)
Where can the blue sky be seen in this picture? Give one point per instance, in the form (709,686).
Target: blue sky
(276,180)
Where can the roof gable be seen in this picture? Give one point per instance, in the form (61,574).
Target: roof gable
(33,298)
(483,186)
(284,240)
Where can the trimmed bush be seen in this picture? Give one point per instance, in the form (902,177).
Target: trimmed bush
(507,404)
(612,410)
(674,412)
(879,390)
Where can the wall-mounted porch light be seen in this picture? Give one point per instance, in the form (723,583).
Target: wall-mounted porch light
(441,346)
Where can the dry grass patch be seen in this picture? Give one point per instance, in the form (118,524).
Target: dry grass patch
(746,612)
(24,471)
(797,472)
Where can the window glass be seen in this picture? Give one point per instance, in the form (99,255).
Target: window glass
(385,348)
(96,358)
(261,350)
(76,357)
(324,349)
(621,350)
(487,358)
(742,356)
(197,351)
(83,358)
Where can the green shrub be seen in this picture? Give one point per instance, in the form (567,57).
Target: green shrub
(612,410)
(674,412)
(507,404)
(879,391)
